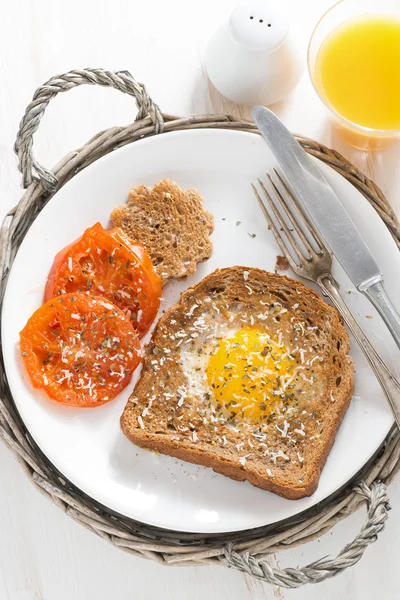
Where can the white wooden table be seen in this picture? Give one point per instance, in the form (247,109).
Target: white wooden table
(43,554)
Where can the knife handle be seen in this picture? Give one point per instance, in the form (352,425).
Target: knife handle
(388,382)
(377,295)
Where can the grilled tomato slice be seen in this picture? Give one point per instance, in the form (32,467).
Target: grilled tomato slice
(80,349)
(107,263)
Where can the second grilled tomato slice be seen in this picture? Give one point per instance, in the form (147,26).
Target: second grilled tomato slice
(80,349)
(105,262)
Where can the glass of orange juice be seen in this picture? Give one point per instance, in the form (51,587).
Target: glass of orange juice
(354,64)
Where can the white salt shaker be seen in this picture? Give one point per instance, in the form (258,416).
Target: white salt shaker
(255,57)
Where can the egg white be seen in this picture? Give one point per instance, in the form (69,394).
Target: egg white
(194,365)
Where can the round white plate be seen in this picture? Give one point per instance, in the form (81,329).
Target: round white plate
(87,446)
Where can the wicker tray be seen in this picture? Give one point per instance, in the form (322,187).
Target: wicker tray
(246,550)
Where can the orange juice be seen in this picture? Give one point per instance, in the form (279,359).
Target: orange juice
(357,72)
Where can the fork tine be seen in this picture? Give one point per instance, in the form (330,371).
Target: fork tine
(281,222)
(290,214)
(275,231)
(311,228)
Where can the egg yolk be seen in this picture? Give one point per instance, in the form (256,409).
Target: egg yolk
(249,372)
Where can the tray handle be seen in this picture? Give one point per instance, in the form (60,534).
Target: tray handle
(377,512)
(121,80)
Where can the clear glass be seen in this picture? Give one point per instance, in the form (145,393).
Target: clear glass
(356,135)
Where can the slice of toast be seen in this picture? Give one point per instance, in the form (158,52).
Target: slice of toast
(172,225)
(174,410)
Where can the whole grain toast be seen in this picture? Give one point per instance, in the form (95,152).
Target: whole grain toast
(172,225)
(284,452)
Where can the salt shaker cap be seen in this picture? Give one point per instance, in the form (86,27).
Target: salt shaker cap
(260,24)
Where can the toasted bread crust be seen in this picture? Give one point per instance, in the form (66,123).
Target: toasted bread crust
(224,467)
(320,417)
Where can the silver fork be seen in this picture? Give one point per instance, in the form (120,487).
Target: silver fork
(317,267)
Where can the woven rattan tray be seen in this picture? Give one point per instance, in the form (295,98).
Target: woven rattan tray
(248,550)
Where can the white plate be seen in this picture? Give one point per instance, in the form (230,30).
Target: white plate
(87,445)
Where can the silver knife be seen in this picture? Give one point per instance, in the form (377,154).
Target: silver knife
(328,215)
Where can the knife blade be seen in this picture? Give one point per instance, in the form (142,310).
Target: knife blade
(319,200)
(328,215)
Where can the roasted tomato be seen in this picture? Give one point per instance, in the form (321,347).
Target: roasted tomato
(107,263)
(80,349)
